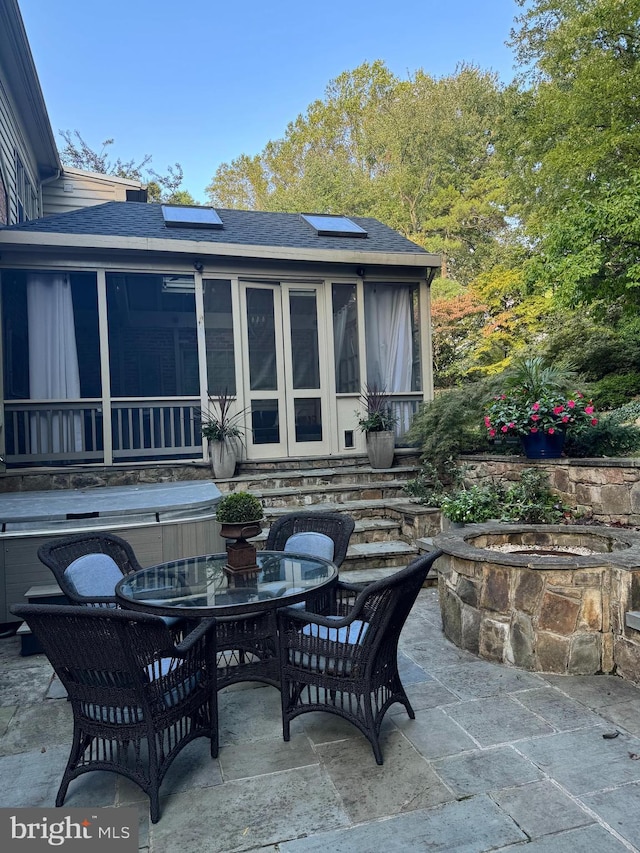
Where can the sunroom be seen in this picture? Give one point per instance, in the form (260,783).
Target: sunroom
(121,321)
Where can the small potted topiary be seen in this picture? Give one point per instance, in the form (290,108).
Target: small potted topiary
(240,514)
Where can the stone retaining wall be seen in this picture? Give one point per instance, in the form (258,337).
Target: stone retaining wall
(607,490)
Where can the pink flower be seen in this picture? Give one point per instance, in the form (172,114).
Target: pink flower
(571,404)
(535,407)
(505,428)
(558,409)
(535,417)
(594,421)
(512,425)
(588,410)
(533,429)
(550,431)
(492,432)
(487,421)
(565,419)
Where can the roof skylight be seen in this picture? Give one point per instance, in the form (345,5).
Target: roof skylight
(190,217)
(326,225)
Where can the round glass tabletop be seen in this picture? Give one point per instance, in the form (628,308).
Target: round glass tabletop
(205,587)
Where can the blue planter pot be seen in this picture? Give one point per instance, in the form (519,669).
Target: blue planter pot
(541,445)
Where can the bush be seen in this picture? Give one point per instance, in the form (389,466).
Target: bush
(614,391)
(607,438)
(452,424)
(529,501)
(238,507)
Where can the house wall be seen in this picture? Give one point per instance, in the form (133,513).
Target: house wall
(75,189)
(13,140)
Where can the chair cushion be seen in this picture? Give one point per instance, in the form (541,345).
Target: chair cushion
(310,542)
(93,575)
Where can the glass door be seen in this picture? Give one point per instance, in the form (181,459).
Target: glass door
(285,370)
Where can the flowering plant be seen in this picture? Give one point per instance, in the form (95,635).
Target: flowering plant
(516,412)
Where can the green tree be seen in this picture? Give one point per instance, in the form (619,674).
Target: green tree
(571,136)
(166,188)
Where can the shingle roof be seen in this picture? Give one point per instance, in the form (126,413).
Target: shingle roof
(241,227)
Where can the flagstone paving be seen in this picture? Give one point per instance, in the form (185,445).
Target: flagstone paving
(496,759)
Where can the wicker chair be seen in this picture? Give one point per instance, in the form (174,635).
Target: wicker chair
(336,525)
(346,663)
(59,554)
(129,686)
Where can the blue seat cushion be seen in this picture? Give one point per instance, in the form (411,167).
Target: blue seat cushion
(93,575)
(351,634)
(310,542)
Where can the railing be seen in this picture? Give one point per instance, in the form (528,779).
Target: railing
(53,432)
(156,429)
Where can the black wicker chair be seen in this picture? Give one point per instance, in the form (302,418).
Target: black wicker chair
(59,554)
(129,685)
(346,663)
(336,525)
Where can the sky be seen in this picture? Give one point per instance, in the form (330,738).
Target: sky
(201,82)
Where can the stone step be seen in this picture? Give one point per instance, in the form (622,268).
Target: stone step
(380,555)
(335,493)
(359,461)
(304,479)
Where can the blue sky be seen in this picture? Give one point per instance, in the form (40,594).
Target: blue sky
(201,82)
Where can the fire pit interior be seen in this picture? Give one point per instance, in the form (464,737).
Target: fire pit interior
(547,598)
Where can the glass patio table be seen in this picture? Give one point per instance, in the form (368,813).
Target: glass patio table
(244,604)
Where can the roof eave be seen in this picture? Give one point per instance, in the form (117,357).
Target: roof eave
(42,239)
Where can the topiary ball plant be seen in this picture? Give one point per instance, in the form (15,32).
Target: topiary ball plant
(239,507)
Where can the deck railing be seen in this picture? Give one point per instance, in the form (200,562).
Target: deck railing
(50,432)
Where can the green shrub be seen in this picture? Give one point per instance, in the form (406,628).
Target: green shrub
(607,438)
(614,391)
(238,507)
(529,501)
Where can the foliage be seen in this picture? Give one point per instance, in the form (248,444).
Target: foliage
(608,438)
(473,505)
(535,400)
(221,425)
(629,413)
(529,500)
(615,390)
(428,487)
(239,507)
(378,414)
(571,142)
(165,188)
(449,425)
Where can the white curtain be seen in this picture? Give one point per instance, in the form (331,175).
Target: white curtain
(53,361)
(388,336)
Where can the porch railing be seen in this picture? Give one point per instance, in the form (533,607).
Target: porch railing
(50,432)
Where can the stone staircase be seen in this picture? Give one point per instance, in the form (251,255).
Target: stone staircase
(390,530)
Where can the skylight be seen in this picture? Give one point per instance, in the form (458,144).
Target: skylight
(326,225)
(190,217)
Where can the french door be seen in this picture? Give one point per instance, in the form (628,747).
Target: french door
(285,370)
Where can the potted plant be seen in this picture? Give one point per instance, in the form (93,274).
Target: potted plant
(240,514)
(536,406)
(222,431)
(378,423)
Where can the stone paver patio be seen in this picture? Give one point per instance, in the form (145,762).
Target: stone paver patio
(496,759)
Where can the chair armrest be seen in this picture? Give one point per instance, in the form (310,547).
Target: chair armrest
(203,627)
(306,617)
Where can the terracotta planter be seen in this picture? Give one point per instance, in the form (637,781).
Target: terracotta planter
(223,455)
(541,445)
(380,448)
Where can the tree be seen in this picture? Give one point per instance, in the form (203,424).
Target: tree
(573,144)
(417,154)
(166,188)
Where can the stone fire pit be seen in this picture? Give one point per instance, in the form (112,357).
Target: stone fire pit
(547,598)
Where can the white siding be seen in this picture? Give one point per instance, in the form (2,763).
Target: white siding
(75,189)
(12,141)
